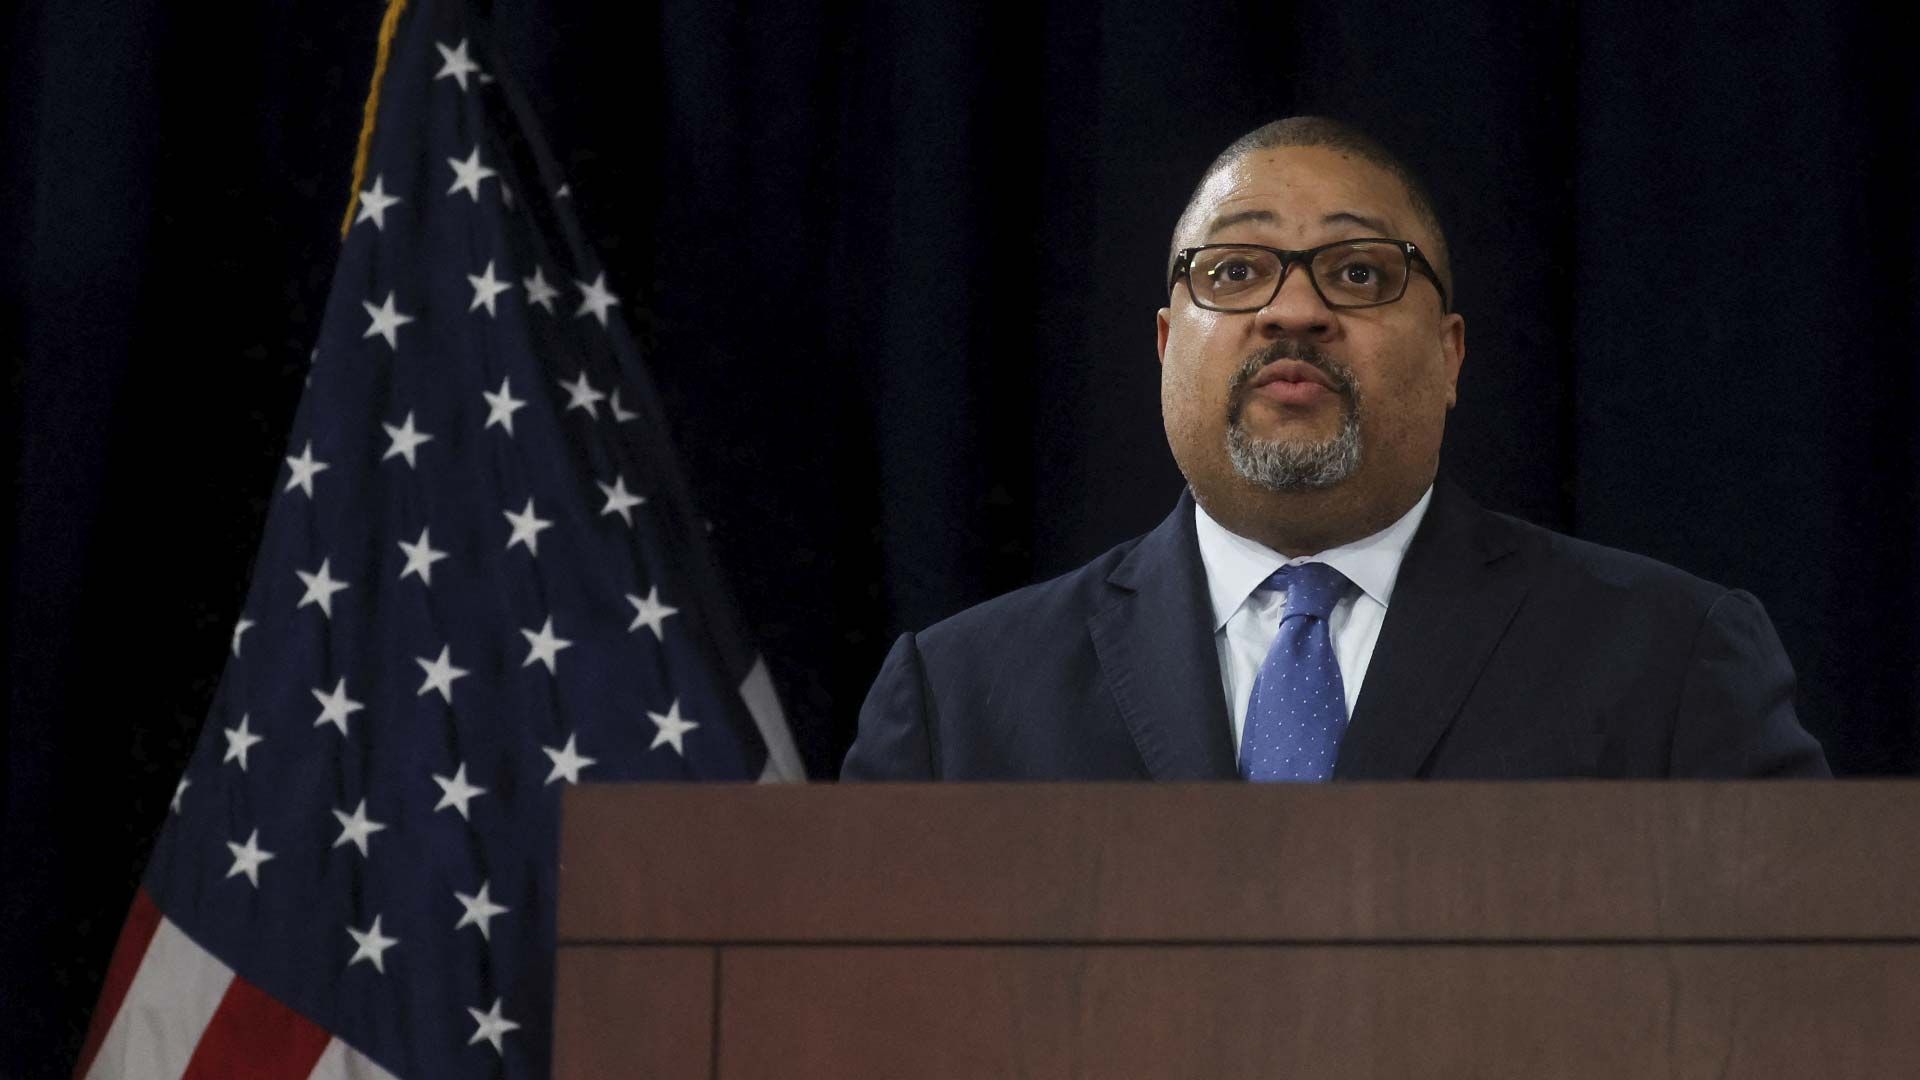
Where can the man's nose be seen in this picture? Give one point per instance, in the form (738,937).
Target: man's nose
(1296,310)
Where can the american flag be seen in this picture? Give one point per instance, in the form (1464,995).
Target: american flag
(481,580)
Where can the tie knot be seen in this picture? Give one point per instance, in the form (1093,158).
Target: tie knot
(1312,588)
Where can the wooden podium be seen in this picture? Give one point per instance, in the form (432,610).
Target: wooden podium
(1605,930)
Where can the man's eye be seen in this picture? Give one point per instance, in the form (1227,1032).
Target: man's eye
(1233,270)
(1359,273)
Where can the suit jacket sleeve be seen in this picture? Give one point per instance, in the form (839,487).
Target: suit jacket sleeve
(895,740)
(1736,716)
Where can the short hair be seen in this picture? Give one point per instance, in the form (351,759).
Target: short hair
(1324,131)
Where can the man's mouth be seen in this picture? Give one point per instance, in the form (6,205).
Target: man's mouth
(1285,373)
(1292,383)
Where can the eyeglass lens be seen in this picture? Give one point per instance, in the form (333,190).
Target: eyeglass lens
(1358,274)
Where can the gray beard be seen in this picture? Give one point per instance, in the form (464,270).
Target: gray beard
(1292,465)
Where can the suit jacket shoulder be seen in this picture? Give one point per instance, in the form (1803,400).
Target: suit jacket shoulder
(1606,567)
(1514,650)
(1030,615)
(1106,672)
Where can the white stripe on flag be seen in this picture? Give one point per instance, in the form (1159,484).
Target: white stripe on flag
(763,702)
(173,996)
(342,1062)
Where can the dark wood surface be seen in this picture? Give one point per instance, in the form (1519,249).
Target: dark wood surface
(1256,863)
(633,1012)
(1327,1012)
(1575,930)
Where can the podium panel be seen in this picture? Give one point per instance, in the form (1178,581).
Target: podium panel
(634,1012)
(1757,930)
(1328,1012)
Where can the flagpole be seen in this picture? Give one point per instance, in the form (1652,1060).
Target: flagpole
(389,25)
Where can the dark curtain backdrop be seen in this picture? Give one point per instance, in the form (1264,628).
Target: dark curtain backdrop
(897,265)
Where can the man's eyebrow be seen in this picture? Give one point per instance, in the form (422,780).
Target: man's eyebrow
(1268,217)
(1228,221)
(1348,217)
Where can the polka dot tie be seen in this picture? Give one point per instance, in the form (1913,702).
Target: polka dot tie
(1298,709)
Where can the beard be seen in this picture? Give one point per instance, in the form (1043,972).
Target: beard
(1294,464)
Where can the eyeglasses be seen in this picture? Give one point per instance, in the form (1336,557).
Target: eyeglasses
(1359,273)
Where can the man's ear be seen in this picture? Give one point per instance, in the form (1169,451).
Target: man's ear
(1160,328)
(1453,342)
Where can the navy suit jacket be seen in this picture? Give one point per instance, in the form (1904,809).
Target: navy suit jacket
(1507,651)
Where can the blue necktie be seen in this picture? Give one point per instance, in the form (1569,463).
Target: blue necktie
(1298,709)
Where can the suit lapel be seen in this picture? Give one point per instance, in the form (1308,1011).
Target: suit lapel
(1157,654)
(1457,592)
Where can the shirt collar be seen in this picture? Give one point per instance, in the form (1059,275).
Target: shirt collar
(1236,565)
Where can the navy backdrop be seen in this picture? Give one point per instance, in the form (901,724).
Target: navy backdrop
(1683,246)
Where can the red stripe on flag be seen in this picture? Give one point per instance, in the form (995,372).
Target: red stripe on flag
(142,920)
(253,1036)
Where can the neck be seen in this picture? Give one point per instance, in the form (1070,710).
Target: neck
(1298,523)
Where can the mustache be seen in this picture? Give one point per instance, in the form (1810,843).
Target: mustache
(1337,373)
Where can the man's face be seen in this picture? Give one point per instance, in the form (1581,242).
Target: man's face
(1298,396)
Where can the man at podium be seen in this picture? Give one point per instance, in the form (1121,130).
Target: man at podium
(1317,605)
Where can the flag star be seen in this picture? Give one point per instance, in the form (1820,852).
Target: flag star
(621,415)
(456,792)
(502,406)
(506,195)
(245,624)
(468,174)
(455,64)
(179,790)
(321,585)
(619,499)
(649,612)
(356,827)
(581,394)
(544,646)
(526,528)
(373,205)
(564,191)
(247,858)
(336,707)
(239,741)
(371,945)
(567,762)
(480,910)
(440,674)
(305,468)
(596,298)
(491,1026)
(673,729)
(405,440)
(485,288)
(539,290)
(420,558)
(387,321)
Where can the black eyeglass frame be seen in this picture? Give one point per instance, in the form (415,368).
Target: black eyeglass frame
(1416,260)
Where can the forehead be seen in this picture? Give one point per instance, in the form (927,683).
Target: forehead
(1302,193)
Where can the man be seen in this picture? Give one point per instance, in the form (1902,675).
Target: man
(1317,606)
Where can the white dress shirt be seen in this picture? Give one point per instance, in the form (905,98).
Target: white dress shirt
(1246,618)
